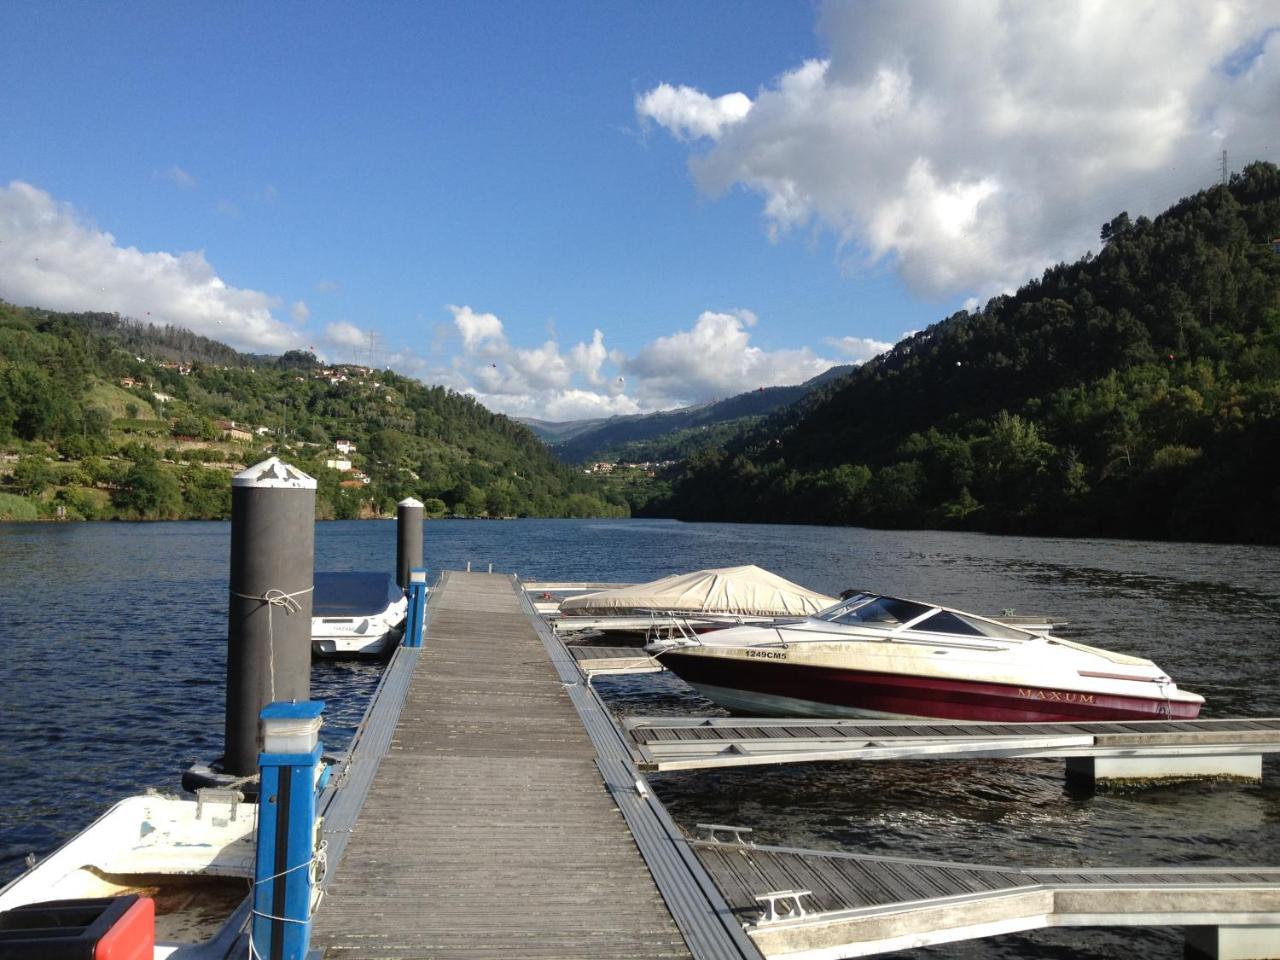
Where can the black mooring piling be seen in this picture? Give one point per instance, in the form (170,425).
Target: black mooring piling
(408,539)
(269,615)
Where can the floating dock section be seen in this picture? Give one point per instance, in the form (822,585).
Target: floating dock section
(491,806)
(1131,750)
(489,828)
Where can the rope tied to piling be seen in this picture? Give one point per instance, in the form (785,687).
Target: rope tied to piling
(275,598)
(319,864)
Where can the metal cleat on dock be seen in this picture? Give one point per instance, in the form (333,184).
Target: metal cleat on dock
(715,829)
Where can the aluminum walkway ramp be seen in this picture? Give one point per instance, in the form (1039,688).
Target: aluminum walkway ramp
(812,904)
(487,830)
(684,744)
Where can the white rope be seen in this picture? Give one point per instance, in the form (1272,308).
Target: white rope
(275,598)
(319,861)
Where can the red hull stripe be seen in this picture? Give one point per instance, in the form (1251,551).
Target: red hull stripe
(914,696)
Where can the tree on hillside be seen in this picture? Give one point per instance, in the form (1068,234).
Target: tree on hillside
(149,492)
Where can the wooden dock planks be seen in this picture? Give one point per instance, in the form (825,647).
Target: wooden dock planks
(859,905)
(488,831)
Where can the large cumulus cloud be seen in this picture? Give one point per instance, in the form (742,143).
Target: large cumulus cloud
(49,257)
(973,144)
(713,358)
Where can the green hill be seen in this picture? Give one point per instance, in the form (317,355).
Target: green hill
(1133,393)
(671,434)
(110,418)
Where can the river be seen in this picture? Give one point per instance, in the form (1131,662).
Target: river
(115,637)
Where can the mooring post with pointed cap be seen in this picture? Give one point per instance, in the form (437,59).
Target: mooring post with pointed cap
(273,508)
(408,539)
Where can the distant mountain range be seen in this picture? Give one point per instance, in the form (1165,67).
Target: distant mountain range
(669,434)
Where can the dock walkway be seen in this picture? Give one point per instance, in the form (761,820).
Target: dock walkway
(487,831)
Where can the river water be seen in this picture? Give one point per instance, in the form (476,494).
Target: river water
(114,637)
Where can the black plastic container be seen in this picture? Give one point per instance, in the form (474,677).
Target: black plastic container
(60,929)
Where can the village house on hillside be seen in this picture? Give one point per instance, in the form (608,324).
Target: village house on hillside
(345,447)
(231,431)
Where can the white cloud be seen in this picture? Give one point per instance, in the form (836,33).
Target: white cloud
(328,286)
(973,144)
(180,177)
(713,359)
(51,258)
(858,349)
(481,332)
(690,113)
(587,359)
(300,312)
(343,334)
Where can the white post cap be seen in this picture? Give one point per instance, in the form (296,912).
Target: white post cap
(409,502)
(274,472)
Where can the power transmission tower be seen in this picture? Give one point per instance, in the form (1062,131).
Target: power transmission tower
(373,347)
(1225,169)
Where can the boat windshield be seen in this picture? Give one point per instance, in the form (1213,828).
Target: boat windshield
(960,624)
(878,613)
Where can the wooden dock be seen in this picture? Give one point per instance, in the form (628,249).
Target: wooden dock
(488,830)
(491,807)
(850,905)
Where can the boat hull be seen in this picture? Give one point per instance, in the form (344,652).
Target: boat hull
(770,688)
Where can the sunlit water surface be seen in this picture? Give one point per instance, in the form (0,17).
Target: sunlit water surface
(113,681)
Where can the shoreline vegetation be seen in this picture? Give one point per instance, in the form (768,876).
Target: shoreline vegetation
(1132,394)
(105,418)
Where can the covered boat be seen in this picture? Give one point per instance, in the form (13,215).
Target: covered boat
(744,592)
(885,657)
(356,614)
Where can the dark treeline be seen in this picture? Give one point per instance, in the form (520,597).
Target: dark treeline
(110,418)
(1134,393)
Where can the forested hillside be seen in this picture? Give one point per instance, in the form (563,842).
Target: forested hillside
(108,418)
(674,434)
(1133,393)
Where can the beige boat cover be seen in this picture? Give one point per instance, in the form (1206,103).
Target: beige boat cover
(746,590)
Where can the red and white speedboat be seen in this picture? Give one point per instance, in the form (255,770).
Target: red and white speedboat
(883,657)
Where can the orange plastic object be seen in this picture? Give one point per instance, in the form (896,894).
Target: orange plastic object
(133,937)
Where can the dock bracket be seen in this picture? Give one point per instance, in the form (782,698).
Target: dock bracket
(793,909)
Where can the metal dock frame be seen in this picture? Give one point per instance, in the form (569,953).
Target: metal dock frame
(1225,748)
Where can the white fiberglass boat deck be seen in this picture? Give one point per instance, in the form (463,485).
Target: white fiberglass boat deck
(885,657)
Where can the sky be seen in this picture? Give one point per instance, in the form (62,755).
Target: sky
(579,210)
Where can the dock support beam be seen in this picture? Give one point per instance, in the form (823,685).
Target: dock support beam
(408,539)
(417,607)
(284,873)
(1089,771)
(273,524)
(1233,942)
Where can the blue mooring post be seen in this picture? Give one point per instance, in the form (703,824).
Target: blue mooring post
(282,880)
(417,607)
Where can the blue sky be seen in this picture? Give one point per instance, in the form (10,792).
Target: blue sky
(730,194)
